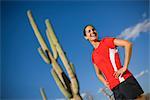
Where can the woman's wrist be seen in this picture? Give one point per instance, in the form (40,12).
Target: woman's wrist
(124,68)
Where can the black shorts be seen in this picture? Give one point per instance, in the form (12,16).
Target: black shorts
(129,89)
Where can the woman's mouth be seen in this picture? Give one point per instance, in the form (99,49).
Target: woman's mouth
(93,35)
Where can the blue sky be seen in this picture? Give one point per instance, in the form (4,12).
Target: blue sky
(23,71)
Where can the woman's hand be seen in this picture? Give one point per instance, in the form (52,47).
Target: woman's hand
(120,72)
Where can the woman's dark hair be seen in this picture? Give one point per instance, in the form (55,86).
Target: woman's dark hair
(86,27)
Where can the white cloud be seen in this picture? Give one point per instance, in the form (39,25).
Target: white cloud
(134,31)
(144,15)
(83,94)
(141,73)
(106,92)
(87,96)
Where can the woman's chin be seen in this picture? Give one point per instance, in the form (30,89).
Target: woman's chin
(94,39)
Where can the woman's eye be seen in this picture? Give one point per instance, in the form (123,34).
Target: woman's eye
(89,30)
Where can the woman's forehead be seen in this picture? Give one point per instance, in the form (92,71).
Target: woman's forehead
(89,27)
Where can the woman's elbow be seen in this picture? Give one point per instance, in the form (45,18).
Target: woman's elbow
(129,44)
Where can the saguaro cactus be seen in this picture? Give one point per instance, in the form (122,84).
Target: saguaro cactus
(68,85)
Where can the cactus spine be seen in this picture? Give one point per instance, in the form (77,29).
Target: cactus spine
(67,85)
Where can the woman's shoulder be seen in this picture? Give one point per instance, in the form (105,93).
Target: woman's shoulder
(105,38)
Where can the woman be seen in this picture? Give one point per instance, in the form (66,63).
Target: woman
(108,67)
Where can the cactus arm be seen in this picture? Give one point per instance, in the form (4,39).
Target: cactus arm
(59,49)
(63,58)
(72,67)
(45,58)
(57,68)
(55,65)
(52,45)
(43,94)
(70,72)
(76,82)
(36,31)
(50,30)
(74,87)
(60,85)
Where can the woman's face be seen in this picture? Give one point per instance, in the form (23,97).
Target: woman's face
(91,33)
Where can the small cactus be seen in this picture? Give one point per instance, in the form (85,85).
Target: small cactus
(68,85)
(43,94)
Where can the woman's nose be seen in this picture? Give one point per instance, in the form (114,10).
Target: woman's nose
(92,32)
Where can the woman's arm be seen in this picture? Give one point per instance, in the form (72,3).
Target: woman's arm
(128,51)
(100,76)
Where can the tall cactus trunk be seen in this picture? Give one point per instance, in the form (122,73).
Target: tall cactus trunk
(68,85)
(76,97)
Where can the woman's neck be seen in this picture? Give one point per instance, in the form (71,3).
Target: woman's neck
(95,43)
